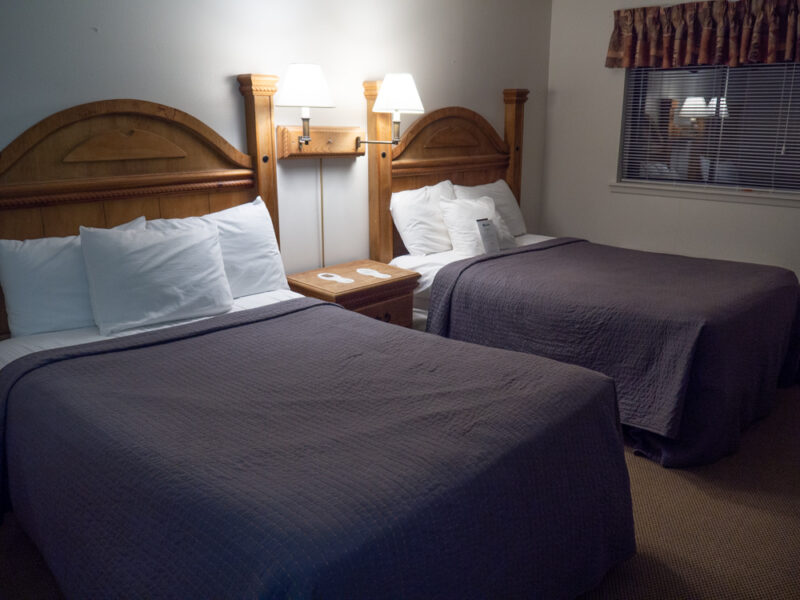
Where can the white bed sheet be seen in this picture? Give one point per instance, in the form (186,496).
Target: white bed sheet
(427,266)
(14,348)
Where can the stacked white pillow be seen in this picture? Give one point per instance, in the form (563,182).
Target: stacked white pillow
(461,216)
(140,274)
(139,278)
(249,248)
(44,283)
(418,218)
(429,221)
(504,201)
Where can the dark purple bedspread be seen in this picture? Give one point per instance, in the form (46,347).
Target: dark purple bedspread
(304,451)
(695,346)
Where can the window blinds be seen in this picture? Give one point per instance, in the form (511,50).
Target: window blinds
(718,125)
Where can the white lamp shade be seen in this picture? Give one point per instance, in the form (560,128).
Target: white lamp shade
(695,106)
(723,107)
(398,94)
(304,85)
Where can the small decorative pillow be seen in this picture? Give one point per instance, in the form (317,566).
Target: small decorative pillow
(250,251)
(139,278)
(418,218)
(504,201)
(461,218)
(44,282)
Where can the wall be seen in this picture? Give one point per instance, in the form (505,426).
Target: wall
(584,111)
(186,53)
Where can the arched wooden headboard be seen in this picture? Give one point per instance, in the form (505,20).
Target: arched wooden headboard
(104,163)
(452,143)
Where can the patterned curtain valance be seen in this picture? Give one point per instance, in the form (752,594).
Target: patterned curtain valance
(715,32)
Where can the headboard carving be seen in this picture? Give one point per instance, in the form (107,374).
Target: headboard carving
(452,143)
(450,137)
(133,144)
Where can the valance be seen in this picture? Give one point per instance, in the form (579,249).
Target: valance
(715,32)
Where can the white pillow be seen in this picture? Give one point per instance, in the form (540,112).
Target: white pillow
(44,283)
(504,202)
(418,218)
(249,249)
(139,278)
(461,218)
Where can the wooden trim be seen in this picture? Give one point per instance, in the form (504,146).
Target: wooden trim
(325,142)
(450,112)
(381,229)
(258,92)
(47,127)
(514,126)
(86,190)
(79,197)
(414,168)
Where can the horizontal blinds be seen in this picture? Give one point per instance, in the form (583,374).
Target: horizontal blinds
(718,126)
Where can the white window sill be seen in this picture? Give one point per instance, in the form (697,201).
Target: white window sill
(707,192)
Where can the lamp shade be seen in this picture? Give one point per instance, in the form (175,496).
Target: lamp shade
(398,94)
(695,106)
(303,85)
(722,110)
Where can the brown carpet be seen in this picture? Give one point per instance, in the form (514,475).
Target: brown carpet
(725,531)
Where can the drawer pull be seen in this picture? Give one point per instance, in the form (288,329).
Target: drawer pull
(387,317)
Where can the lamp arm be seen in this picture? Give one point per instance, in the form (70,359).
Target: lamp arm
(394,141)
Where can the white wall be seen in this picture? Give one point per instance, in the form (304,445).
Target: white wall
(584,111)
(186,53)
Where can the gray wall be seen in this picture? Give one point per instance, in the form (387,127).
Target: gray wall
(582,142)
(186,53)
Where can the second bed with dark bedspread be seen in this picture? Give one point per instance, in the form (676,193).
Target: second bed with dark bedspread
(696,346)
(303,451)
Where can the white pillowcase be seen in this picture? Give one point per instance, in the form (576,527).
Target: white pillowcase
(249,249)
(139,278)
(418,218)
(461,217)
(504,201)
(44,283)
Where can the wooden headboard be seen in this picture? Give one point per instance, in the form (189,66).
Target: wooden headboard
(450,143)
(105,163)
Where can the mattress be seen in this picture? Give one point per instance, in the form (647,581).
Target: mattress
(301,450)
(17,347)
(696,346)
(428,266)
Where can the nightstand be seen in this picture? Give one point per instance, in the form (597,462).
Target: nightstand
(389,299)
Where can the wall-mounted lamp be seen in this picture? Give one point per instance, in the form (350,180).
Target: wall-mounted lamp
(397,94)
(694,107)
(718,107)
(304,85)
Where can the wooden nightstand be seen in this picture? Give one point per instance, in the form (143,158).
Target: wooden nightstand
(388,299)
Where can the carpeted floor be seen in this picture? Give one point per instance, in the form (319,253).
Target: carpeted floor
(729,530)
(725,531)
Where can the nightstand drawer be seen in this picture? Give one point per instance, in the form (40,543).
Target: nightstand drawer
(396,310)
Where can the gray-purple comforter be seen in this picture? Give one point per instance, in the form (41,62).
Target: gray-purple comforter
(696,346)
(304,451)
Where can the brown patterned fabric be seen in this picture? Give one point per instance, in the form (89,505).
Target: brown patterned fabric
(718,32)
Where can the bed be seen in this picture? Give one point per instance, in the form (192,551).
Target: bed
(696,347)
(286,447)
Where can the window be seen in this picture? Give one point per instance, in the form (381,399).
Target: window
(720,126)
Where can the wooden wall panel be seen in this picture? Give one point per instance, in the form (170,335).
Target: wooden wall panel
(127,209)
(66,219)
(21,224)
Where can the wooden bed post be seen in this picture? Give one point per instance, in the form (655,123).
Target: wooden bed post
(379,127)
(515,112)
(258,91)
